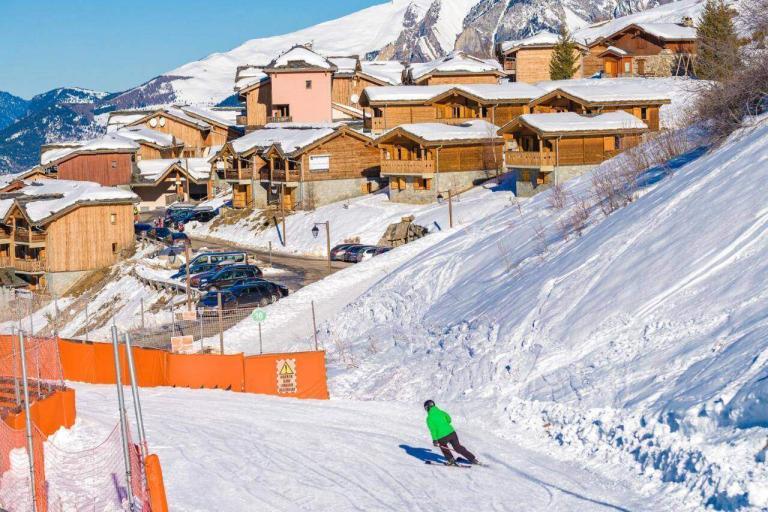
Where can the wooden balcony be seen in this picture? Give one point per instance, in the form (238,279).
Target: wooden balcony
(407,166)
(279,119)
(282,175)
(29,237)
(462,120)
(30,266)
(245,173)
(5,262)
(5,234)
(531,159)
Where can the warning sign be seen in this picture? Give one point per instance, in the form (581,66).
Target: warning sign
(286,376)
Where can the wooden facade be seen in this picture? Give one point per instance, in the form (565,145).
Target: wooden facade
(196,137)
(153,152)
(105,168)
(258,104)
(346,90)
(459,78)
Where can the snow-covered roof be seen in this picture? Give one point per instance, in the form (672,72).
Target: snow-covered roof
(441,132)
(404,92)
(248,76)
(143,134)
(565,122)
(542,38)
(454,62)
(669,31)
(615,51)
(300,57)
(6,179)
(152,170)
(344,65)
(109,142)
(290,136)
(43,199)
(121,118)
(215,116)
(389,71)
(619,92)
(508,91)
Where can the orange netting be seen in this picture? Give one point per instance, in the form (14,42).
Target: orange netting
(15,488)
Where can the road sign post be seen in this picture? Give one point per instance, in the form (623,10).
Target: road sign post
(258,316)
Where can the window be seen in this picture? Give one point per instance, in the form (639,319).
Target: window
(422,184)
(397,183)
(483,112)
(617,142)
(456,111)
(114,164)
(308,84)
(644,114)
(377,112)
(627,67)
(319,163)
(114,247)
(113,218)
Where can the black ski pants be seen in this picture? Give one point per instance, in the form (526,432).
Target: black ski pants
(453,440)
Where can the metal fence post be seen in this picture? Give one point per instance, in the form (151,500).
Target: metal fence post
(221,324)
(16,391)
(135,393)
(261,345)
(28,421)
(87,322)
(314,324)
(123,419)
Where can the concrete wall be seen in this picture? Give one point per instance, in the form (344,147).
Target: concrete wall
(455,181)
(564,173)
(306,105)
(60,282)
(318,193)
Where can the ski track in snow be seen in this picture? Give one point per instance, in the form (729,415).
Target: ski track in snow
(285,454)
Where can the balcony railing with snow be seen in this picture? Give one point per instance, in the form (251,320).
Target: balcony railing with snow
(530,159)
(407,166)
(38,265)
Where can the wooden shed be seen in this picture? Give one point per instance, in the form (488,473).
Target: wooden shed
(455,68)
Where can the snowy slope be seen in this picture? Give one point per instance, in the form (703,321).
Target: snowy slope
(281,454)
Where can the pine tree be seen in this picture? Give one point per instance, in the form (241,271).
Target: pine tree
(718,44)
(563,63)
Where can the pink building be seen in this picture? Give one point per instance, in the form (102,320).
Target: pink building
(301,87)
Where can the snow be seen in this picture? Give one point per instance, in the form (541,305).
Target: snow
(615,51)
(450,22)
(557,122)
(507,91)
(151,170)
(390,71)
(119,119)
(342,455)
(669,31)
(109,142)
(225,117)
(436,132)
(541,38)
(250,76)
(344,65)
(453,62)
(405,92)
(45,198)
(290,136)
(144,134)
(215,202)
(300,56)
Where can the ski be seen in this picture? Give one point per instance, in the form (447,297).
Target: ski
(433,463)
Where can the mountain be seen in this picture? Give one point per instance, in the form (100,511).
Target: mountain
(58,115)
(406,30)
(12,108)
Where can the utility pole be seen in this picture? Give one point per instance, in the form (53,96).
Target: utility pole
(450,205)
(188,256)
(221,324)
(316,231)
(135,394)
(282,214)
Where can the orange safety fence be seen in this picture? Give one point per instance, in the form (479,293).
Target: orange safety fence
(49,414)
(15,493)
(298,374)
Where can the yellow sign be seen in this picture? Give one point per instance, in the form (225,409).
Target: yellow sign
(286,376)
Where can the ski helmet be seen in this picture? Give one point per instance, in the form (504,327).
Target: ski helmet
(429,404)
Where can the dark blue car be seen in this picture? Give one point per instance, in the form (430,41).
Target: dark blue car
(251,294)
(225,277)
(196,268)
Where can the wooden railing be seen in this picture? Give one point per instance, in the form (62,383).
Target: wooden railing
(5,261)
(407,166)
(530,159)
(37,265)
(245,173)
(281,175)
(461,120)
(5,233)
(374,123)
(25,235)
(279,119)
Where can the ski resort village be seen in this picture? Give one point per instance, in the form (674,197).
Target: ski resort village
(430,255)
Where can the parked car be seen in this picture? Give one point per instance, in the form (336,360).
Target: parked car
(369,252)
(203,215)
(350,255)
(257,293)
(142,228)
(337,253)
(171,254)
(220,257)
(225,277)
(196,268)
(168,236)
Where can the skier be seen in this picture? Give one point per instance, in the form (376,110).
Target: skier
(443,433)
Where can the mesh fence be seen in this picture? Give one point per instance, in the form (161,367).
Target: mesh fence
(94,479)
(15,485)
(20,305)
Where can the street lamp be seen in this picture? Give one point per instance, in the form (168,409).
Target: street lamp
(316,232)
(440,200)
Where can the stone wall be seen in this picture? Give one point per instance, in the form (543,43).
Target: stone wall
(454,181)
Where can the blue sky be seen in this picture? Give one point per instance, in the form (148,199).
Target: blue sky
(111,45)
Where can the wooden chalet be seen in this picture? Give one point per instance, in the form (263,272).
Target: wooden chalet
(153,144)
(422,160)
(301,165)
(647,49)
(496,103)
(108,160)
(162,182)
(197,129)
(59,226)
(455,68)
(631,97)
(15,181)
(527,60)
(536,145)
(352,76)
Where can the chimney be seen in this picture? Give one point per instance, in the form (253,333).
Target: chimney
(687,21)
